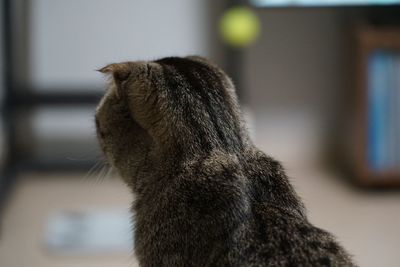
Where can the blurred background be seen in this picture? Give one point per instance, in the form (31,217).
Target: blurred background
(319,82)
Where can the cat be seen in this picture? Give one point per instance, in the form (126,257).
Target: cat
(205,195)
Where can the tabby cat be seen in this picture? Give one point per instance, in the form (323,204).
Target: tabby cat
(205,195)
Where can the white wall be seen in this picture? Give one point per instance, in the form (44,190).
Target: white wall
(70,39)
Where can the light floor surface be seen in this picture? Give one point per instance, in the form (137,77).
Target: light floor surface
(366,223)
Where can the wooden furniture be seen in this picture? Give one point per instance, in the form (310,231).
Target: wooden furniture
(369,39)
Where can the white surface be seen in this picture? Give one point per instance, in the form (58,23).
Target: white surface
(71,39)
(92,231)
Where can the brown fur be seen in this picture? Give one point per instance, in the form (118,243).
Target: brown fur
(205,195)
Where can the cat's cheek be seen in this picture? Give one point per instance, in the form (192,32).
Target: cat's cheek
(104,150)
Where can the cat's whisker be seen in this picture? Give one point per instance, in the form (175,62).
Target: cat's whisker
(96,175)
(87,155)
(83,158)
(102,175)
(92,170)
(109,173)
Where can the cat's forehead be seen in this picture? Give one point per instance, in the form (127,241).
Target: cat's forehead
(187,64)
(192,70)
(175,61)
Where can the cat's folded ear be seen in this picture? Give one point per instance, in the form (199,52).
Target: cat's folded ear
(120,73)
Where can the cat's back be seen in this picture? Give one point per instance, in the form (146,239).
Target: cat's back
(277,232)
(274,237)
(227,210)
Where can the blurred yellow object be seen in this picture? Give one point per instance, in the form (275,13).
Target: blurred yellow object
(239,26)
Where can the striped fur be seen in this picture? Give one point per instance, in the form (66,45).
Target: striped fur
(205,196)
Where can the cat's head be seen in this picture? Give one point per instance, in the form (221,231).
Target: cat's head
(162,112)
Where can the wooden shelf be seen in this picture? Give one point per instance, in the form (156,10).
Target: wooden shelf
(369,39)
